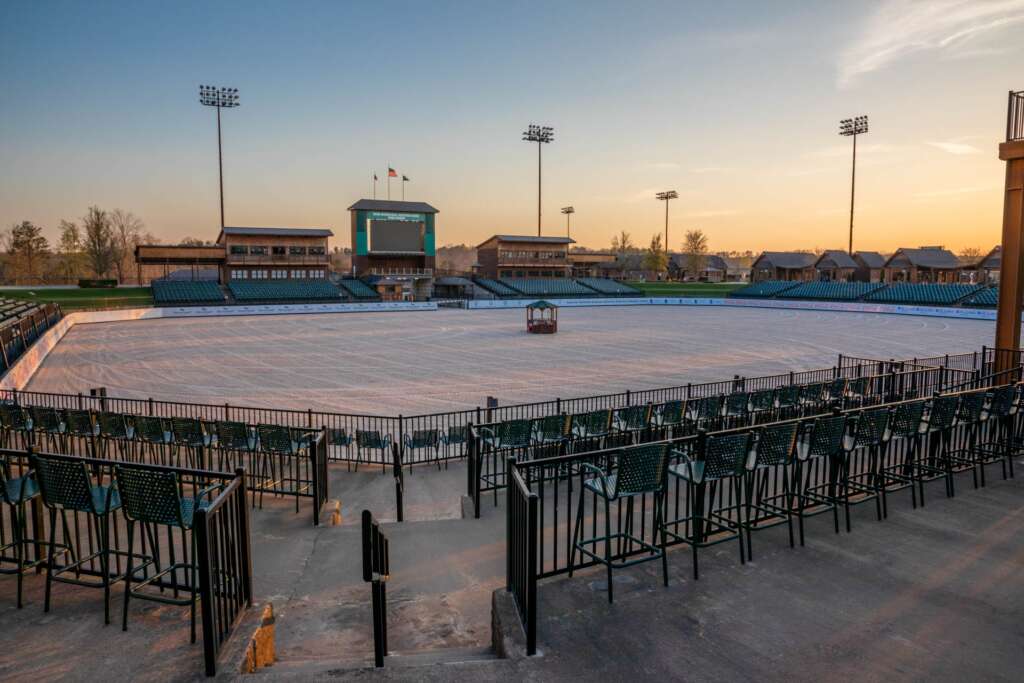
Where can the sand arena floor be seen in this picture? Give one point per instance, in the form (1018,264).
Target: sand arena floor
(418,362)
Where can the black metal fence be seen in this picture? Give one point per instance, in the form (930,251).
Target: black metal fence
(738,405)
(543,493)
(217,544)
(376,572)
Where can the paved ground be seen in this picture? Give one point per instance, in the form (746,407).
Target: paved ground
(411,363)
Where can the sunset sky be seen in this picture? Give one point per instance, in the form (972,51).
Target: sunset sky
(733,104)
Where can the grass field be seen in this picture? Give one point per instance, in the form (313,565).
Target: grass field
(75,299)
(700,289)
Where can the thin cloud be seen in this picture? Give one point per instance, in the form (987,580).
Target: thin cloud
(900,28)
(710,169)
(663,165)
(952,147)
(843,150)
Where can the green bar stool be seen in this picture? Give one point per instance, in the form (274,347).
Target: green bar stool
(818,470)
(632,472)
(769,499)
(66,486)
(425,439)
(152,498)
(714,472)
(16,492)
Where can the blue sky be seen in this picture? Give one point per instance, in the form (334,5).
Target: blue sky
(735,105)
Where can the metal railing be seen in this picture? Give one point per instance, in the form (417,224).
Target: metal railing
(222,549)
(542,494)
(376,572)
(1015,116)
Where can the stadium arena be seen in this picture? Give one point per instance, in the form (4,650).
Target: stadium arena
(410,363)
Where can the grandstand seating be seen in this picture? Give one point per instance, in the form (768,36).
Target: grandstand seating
(357,289)
(497,288)
(606,286)
(186,292)
(21,323)
(988,297)
(924,294)
(284,290)
(764,290)
(832,291)
(553,287)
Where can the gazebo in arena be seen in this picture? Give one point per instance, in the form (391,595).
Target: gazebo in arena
(542,317)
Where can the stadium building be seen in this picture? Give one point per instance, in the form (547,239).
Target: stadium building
(521,256)
(393,247)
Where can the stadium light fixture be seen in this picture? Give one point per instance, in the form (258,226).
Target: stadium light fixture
(568,211)
(221,98)
(665,197)
(852,128)
(541,135)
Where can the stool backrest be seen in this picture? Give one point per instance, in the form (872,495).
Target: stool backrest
(64,483)
(641,469)
(149,495)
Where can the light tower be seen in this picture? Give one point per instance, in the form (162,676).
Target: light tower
(541,135)
(665,197)
(221,98)
(853,127)
(568,211)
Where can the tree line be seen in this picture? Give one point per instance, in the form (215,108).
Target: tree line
(101,244)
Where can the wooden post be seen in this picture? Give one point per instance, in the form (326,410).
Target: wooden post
(1011,276)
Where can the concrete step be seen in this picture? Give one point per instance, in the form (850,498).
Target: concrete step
(314,666)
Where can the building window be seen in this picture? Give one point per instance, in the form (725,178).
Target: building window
(239,275)
(316,251)
(258,251)
(277,251)
(297,251)
(239,250)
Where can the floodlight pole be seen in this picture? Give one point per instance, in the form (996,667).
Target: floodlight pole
(540,135)
(665,197)
(852,128)
(568,211)
(211,96)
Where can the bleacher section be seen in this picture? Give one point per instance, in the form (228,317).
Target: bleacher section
(497,288)
(185,292)
(608,287)
(359,290)
(284,290)
(21,323)
(985,298)
(922,294)
(553,287)
(764,290)
(831,291)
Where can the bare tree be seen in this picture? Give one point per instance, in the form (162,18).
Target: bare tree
(622,244)
(70,250)
(27,248)
(98,241)
(696,248)
(127,233)
(970,255)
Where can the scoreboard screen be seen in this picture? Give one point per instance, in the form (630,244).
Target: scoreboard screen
(392,235)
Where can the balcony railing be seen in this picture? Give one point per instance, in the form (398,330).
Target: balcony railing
(1015,117)
(283,259)
(413,272)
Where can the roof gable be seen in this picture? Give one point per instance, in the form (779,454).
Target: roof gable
(925,257)
(393,206)
(869,259)
(835,258)
(785,259)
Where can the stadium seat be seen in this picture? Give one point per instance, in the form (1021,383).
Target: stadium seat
(185,292)
(497,288)
(985,298)
(831,291)
(763,290)
(357,289)
(548,287)
(284,290)
(923,294)
(608,287)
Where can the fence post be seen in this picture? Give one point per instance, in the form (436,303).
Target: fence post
(150,403)
(471,464)
(628,397)
(531,576)
(396,470)
(227,412)
(243,533)
(206,603)
(510,463)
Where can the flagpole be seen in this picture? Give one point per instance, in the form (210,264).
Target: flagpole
(389,181)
